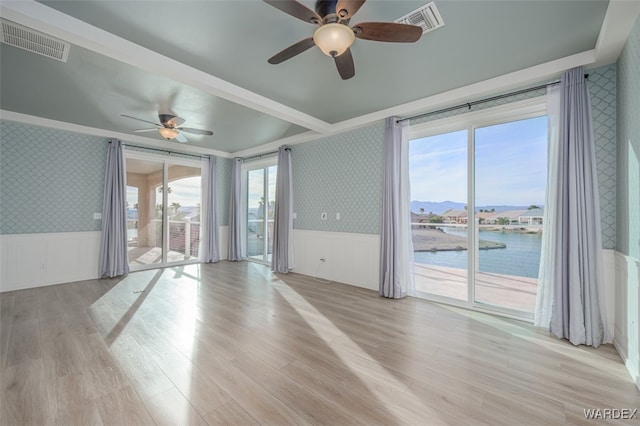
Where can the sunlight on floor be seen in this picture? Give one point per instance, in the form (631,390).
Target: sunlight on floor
(346,349)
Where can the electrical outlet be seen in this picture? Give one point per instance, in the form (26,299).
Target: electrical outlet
(323,216)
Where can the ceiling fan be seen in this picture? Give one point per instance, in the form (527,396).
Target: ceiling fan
(334,36)
(170,127)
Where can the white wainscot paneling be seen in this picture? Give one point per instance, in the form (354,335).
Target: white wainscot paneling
(627,312)
(34,260)
(348,258)
(223,242)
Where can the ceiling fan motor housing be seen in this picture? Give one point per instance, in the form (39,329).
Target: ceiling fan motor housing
(165,119)
(326,7)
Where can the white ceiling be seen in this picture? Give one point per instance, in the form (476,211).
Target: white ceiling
(206,61)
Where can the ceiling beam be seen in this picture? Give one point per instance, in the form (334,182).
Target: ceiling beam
(617,25)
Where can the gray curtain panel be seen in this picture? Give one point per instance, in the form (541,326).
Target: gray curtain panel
(113,242)
(282,251)
(396,249)
(209,239)
(576,280)
(235,214)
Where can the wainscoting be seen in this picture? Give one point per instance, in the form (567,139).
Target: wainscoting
(35,260)
(348,258)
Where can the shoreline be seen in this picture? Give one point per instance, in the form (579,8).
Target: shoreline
(434,240)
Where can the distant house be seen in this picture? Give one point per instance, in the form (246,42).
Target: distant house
(513,217)
(455,216)
(531,217)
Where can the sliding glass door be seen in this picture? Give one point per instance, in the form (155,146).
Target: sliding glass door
(163,210)
(510,179)
(478,190)
(260,194)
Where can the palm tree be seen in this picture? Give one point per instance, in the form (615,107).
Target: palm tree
(175,206)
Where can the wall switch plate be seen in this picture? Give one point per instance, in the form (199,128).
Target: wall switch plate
(295,215)
(97,216)
(323,216)
(337,216)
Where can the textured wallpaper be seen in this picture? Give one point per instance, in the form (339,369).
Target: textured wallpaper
(602,88)
(50,180)
(628,195)
(223,182)
(339,174)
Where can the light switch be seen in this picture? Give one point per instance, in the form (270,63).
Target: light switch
(97,216)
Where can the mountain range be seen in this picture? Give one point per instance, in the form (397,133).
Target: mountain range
(439,207)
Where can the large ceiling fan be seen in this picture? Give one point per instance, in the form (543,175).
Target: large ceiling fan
(334,36)
(170,127)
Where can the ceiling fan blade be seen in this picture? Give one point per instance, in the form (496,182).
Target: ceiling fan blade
(181,138)
(170,120)
(145,130)
(387,31)
(345,65)
(140,119)
(345,9)
(195,131)
(296,9)
(291,51)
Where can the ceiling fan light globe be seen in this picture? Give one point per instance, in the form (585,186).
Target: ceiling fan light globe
(333,39)
(168,133)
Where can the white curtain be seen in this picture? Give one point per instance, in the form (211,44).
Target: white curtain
(396,247)
(570,300)
(282,252)
(209,249)
(236,249)
(113,241)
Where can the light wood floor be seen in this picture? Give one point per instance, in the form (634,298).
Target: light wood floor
(232,344)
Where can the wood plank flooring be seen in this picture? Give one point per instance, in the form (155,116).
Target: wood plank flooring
(232,344)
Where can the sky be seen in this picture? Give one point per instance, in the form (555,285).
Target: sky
(510,163)
(184,191)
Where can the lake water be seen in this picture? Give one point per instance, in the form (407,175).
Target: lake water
(521,256)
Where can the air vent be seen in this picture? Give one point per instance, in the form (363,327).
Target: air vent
(34,41)
(426,17)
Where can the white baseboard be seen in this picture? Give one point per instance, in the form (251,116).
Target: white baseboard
(348,258)
(35,260)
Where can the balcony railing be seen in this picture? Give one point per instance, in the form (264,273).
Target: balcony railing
(184,235)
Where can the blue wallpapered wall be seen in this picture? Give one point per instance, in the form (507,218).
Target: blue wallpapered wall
(339,174)
(628,190)
(602,87)
(51,180)
(223,182)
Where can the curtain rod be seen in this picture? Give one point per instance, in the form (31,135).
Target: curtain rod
(260,156)
(481,101)
(166,150)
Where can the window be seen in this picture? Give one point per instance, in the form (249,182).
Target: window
(259,195)
(478,190)
(163,210)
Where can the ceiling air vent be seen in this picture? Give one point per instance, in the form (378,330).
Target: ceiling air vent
(34,41)
(426,17)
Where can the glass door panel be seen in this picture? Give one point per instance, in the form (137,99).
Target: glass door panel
(183,212)
(510,180)
(271,209)
(255,235)
(144,211)
(438,175)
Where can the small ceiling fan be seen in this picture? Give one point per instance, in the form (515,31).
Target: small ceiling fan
(334,36)
(170,127)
